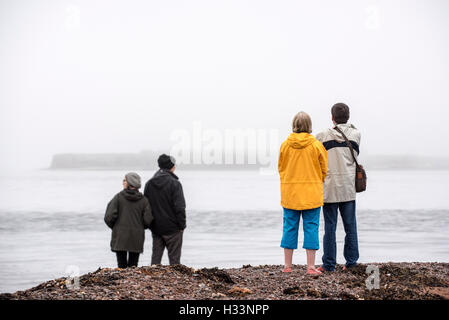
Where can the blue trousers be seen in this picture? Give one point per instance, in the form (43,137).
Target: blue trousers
(310,224)
(351,248)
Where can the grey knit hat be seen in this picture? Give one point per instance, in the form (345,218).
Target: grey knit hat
(133,180)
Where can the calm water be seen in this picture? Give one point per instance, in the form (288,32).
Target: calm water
(50,220)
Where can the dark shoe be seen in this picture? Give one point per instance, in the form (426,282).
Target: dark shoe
(348,267)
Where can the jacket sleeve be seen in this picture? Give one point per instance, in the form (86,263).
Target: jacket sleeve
(280,161)
(179,205)
(146,191)
(322,157)
(111,214)
(147,214)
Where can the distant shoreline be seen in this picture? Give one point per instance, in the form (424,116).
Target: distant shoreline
(224,169)
(153,169)
(147,160)
(397,281)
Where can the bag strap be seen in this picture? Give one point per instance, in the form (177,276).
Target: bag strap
(348,143)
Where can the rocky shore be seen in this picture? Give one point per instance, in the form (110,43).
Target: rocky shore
(410,281)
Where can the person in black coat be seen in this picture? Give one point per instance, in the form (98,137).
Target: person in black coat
(128,214)
(166,197)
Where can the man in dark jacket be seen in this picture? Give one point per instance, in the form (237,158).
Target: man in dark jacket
(128,214)
(164,192)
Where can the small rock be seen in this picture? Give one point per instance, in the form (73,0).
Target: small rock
(239,291)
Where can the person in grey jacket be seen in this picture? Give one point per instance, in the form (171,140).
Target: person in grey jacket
(128,214)
(339,188)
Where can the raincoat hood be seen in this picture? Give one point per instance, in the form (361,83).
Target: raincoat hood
(161,178)
(300,140)
(345,127)
(132,195)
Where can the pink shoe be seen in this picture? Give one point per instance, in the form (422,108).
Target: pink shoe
(287,269)
(313,272)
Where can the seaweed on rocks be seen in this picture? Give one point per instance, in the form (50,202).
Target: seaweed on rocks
(99,279)
(294,290)
(215,274)
(183,269)
(415,281)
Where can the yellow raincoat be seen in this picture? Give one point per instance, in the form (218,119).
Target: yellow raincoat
(302,167)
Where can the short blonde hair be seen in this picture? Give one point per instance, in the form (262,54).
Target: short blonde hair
(302,123)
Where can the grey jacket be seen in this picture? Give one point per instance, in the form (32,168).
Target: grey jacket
(128,214)
(339,185)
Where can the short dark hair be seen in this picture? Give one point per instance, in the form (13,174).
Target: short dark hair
(340,113)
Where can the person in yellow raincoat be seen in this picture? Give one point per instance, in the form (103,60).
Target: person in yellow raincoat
(302,168)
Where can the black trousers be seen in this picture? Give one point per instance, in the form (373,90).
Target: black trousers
(173,243)
(123,261)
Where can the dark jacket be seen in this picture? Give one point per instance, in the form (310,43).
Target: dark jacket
(164,191)
(128,214)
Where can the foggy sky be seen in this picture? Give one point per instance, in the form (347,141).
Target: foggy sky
(119,76)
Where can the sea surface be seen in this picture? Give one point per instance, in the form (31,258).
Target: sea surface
(51,221)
